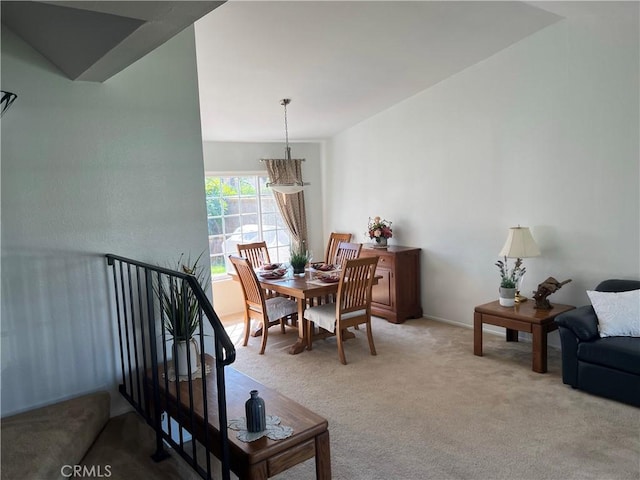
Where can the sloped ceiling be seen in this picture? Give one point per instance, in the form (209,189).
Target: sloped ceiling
(92,41)
(340,62)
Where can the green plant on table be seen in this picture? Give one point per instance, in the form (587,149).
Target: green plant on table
(179,302)
(299,257)
(510,278)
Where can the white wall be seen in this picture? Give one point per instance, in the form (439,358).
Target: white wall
(543,134)
(89,169)
(225,157)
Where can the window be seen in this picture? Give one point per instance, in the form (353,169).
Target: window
(241,209)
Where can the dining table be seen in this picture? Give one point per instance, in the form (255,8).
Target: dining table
(307,289)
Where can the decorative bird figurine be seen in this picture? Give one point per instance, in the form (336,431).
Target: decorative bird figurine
(546,288)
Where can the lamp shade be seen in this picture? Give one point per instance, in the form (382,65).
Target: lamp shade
(286,188)
(519,244)
(286,179)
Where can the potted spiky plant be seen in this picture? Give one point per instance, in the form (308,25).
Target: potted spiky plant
(181,313)
(298,259)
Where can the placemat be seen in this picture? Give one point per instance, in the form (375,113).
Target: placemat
(274,430)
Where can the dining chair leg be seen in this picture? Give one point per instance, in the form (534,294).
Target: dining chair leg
(265,334)
(339,333)
(283,321)
(247,328)
(372,347)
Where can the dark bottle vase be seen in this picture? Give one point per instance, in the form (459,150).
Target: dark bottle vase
(255,411)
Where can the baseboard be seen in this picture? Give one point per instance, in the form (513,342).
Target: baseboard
(232,318)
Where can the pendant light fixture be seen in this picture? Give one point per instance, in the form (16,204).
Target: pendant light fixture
(297,184)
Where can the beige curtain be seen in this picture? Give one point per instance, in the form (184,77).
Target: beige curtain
(291,205)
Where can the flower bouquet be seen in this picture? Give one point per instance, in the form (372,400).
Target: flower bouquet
(379,230)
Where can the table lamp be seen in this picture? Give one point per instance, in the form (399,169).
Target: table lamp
(520,244)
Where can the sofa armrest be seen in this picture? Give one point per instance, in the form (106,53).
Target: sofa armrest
(582,322)
(575,326)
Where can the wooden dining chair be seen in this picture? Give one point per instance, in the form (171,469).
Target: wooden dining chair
(352,306)
(347,251)
(344,251)
(332,246)
(267,311)
(257,253)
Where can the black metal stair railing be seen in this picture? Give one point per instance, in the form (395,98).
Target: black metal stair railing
(139,291)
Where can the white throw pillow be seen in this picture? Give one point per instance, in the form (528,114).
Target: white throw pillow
(618,312)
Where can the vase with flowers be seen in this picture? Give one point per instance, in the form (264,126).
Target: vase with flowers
(379,230)
(509,279)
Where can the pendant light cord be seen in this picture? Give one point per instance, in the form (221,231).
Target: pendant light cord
(285,102)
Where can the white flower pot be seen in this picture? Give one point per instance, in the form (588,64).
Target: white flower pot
(180,353)
(507,296)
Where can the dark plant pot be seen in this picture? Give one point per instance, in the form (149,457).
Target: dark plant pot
(298,270)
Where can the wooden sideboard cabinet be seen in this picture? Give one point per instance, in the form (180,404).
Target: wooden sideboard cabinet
(396,297)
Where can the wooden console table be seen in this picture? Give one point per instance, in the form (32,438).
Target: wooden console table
(396,297)
(520,318)
(262,458)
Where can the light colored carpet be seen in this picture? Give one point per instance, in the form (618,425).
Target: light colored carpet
(426,408)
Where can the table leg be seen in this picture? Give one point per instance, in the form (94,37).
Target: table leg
(258,471)
(512,335)
(539,349)
(323,456)
(301,343)
(477,334)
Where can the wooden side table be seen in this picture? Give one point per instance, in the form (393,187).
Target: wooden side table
(520,318)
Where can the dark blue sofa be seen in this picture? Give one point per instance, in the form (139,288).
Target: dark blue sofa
(608,366)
